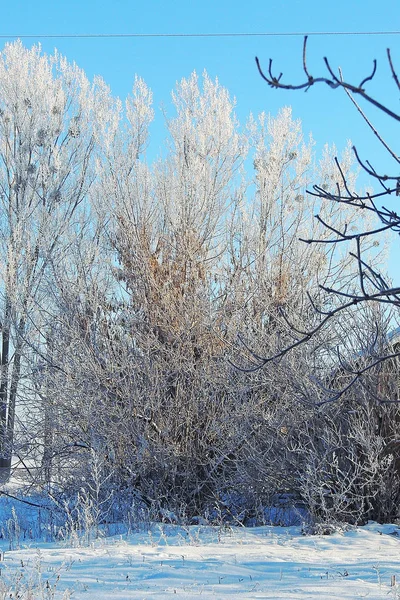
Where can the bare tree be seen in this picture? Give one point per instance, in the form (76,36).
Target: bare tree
(373,285)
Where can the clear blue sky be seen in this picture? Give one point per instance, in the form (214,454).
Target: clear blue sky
(163,61)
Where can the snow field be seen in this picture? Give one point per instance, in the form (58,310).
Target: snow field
(175,562)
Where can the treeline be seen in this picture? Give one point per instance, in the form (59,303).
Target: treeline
(134,293)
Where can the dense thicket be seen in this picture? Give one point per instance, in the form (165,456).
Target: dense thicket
(124,286)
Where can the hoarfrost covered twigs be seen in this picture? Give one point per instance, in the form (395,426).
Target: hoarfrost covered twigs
(125,284)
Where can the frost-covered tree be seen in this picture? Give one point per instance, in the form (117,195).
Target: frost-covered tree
(198,251)
(124,285)
(47,137)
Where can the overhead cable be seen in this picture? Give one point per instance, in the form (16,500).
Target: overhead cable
(195,35)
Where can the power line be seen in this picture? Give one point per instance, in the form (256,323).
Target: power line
(196,35)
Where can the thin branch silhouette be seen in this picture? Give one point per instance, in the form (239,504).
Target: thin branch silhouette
(372,285)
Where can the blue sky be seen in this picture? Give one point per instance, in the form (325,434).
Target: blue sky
(163,61)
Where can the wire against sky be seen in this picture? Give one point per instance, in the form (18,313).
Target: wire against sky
(194,35)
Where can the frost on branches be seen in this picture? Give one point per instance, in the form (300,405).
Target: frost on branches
(132,290)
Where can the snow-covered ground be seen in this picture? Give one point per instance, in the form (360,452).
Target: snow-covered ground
(210,562)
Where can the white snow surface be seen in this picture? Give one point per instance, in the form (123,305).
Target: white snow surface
(169,561)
